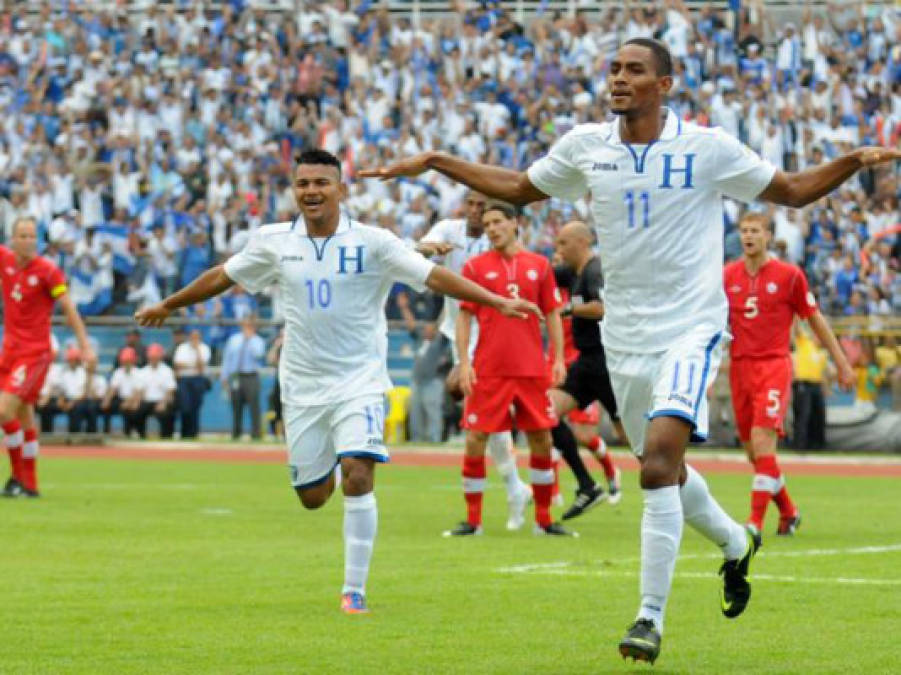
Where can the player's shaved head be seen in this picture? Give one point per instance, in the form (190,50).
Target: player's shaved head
(573,244)
(578,230)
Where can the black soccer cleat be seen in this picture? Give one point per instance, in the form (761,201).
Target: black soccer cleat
(788,526)
(553,530)
(642,642)
(463,529)
(29,494)
(736,588)
(13,488)
(584,501)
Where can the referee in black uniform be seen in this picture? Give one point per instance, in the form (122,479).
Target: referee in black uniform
(587,379)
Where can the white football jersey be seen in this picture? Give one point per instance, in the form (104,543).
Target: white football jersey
(333,290)
(454,231)
(658,209)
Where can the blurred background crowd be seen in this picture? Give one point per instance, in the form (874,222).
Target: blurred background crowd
(150,141)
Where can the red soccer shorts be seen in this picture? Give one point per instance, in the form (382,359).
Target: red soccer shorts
(497,402)
(760,394)
(590,415)
(23,375)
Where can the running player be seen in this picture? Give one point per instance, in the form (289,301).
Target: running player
(334,274)
(458,240)
(501,378)
(587,380)
(31,286)
(657,184)
(764,296)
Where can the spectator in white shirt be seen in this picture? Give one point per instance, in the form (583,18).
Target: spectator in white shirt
(158,393)
(191,359)
(124,394)
(74,396)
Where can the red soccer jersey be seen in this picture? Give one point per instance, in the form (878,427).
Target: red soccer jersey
(761,307)
(507,346)
(28,296)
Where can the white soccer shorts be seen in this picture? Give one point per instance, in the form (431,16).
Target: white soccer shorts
(319,436)
(672,383)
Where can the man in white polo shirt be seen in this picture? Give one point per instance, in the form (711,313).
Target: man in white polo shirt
(124,394)
(74,397)
(190,361)
(158,392)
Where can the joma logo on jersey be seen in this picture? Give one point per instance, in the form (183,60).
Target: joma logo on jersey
(604,166)
(352,260)
(291,258)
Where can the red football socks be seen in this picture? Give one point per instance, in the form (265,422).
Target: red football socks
(14,439)
(473,488)
(542,476)
(768,484)
(29,460)
(599,448)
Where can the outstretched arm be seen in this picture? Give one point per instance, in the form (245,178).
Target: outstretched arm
(442,280)
(802,188)
(493,181)
(212,282)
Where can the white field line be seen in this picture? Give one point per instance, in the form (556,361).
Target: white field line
(566,567)
(777,578)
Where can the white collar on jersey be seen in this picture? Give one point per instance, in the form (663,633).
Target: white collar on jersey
(344,224)
(671,128)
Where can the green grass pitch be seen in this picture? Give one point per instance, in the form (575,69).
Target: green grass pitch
(183,567)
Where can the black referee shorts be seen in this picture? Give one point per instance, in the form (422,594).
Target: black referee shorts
(587,380)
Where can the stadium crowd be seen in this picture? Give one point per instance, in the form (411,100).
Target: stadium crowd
(150,145)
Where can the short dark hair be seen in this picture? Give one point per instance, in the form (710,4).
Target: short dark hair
(510,212)
(663,60)
(762,218)
(317,156)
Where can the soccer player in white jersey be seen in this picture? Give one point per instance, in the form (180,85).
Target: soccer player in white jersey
(334,275)
(458,240)
(657,184)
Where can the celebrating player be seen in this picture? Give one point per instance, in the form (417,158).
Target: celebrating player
(501,377)
(335,275)
(31,285)
(587,379)
(657,184)
(458,240)
(764,295)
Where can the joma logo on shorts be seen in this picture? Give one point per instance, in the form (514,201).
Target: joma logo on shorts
(681,399)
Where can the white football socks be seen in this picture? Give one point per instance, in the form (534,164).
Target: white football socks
(500,446)
(661,533)
(360,525)
(706,516)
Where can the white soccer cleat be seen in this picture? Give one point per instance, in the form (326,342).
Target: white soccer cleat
(516,509)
